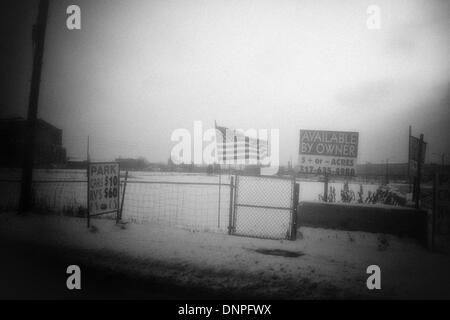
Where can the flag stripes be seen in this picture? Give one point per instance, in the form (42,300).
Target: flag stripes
(233,145)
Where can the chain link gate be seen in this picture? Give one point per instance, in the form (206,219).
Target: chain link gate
(264,207)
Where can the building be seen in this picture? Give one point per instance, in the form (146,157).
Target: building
(133,164)
(48,149)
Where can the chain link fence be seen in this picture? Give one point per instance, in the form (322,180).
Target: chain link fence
(201,205)
(252,206)
(64,197)
(264,207)
(192,205)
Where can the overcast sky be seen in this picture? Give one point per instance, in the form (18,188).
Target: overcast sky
(137,70)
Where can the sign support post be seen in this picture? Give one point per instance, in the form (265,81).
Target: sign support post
(119,216)
(416,159)
(419,172)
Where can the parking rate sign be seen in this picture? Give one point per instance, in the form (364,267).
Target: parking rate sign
(328,152)
(103,180)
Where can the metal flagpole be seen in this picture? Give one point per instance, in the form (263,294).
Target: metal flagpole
(220,181)
(220,187)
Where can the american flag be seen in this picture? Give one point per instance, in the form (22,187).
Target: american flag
(233,147)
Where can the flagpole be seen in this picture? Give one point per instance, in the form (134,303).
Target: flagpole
(220,182)
(220,187)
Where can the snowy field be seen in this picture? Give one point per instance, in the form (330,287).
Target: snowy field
(177,199)
(323,264)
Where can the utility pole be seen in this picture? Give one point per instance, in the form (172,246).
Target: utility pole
(28,155)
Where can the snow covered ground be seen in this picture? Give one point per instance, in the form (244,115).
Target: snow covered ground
(330,264)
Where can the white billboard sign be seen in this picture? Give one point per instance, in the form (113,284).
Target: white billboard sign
(328,152)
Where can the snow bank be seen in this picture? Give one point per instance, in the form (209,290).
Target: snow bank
(332,265)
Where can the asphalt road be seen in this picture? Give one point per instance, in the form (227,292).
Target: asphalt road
(30,272)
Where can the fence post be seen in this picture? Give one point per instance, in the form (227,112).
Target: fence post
(230,218)
(294,210)
(123,196)
(87,198)
(218,209)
